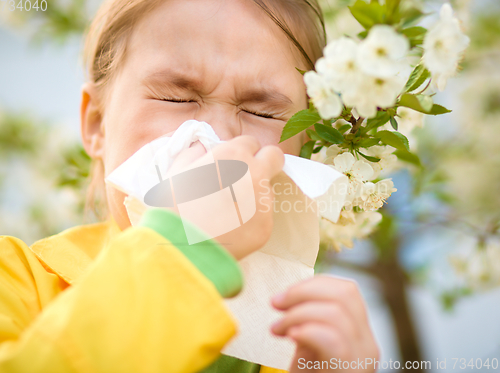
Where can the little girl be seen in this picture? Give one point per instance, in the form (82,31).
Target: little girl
(109,297)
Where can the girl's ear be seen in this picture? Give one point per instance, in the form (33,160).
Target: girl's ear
(91,125)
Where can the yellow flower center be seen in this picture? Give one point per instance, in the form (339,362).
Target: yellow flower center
(381,52)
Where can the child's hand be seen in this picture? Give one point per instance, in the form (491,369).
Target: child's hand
(264,163)
(327,319)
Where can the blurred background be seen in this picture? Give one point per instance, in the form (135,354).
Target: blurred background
(430,272)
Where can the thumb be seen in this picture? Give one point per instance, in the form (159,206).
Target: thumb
(271,159)
(187,157)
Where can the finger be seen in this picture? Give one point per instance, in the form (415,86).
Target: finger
(316,288)
(249,143)
(187,157)
(325,341)
(238,146)
(343,292)
(271,159)
(328,313)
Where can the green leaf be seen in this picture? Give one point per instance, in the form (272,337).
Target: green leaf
(329,134)
(313,135)
(328,122)
(426,74)
(368,142)
(392,7)
(371,159)
(394,139)
(368,14)
(302,72)
(394,123)
(417,77)
(438,110)
(414,31)
(317,149)
(415,35)
(411,17)
(307,149)
(421,103)
(363,34)
(403,139)
(380,119)
(299,122)
(344,128)
(408,157)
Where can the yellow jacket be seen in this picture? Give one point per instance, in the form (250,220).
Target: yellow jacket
(95,299)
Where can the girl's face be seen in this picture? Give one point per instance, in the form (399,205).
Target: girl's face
(229,63)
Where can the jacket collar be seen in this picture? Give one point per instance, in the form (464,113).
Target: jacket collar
(69,253)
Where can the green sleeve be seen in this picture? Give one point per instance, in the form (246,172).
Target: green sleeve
(213,260)
(229,364)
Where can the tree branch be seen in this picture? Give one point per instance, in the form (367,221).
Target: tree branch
(356,123)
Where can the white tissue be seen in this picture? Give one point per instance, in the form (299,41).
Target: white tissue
(286,259)
(138,174)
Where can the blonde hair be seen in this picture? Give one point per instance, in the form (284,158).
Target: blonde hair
(106,43)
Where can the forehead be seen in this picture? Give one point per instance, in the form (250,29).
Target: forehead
(214,41)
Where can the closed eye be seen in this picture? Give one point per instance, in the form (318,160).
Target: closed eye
(262,115)
(169,99)
(256,113)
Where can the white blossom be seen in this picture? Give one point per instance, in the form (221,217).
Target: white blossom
(331,152)
(319,156)
(373,195)
(408,120)
(367,74)
(444,45)
(357,171)
(339,64)
(381,53)
(388,161)
(350,226)
(324,98)
(481,269)
(371,92)
(334,150)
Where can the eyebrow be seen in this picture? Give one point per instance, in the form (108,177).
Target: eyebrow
(170,79)
(273,98)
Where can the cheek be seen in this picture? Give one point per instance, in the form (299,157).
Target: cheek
(134,126)
(270,134)
(293,145)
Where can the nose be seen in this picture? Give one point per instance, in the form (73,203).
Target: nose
(223,118)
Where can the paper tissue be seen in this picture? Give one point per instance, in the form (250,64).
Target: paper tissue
(286,259)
